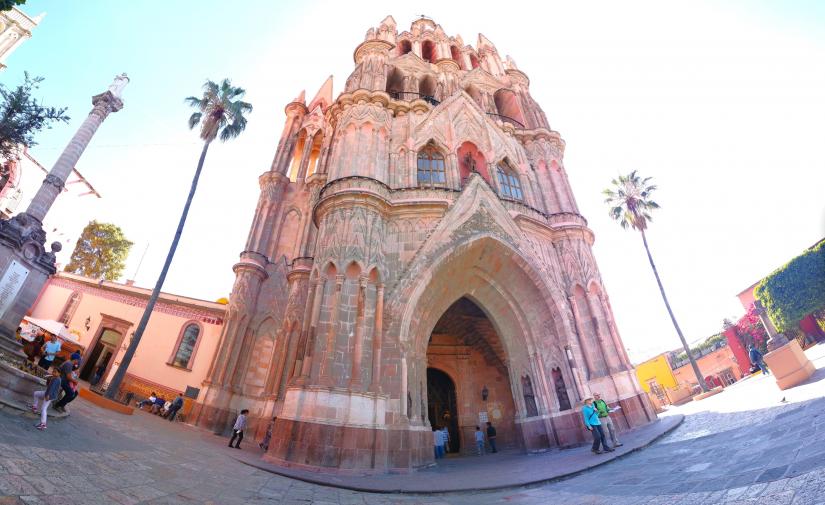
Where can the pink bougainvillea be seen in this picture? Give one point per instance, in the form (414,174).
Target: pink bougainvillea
(749,329)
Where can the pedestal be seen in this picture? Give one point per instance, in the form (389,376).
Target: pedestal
(25,265)
(789,365)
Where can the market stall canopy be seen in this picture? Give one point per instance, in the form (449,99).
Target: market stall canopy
(53,327)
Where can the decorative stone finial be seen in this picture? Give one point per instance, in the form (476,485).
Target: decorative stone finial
(56,247)
(118,84)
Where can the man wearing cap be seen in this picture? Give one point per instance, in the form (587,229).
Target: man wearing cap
(604,418)
(592,423)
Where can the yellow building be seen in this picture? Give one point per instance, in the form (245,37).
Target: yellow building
(656,377)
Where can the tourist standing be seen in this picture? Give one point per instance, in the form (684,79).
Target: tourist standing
(46,396)
(592,423)
(50,349)
(491,437)
(34,350)
(237,429)
(604,418)
(268,435)
(177,404)
(438,440)
(479,441)
(99,371)
(446,434)
(68,383)
(757,360)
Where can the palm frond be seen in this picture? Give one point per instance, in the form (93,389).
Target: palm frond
(194,119)
(629,200)
(221,112)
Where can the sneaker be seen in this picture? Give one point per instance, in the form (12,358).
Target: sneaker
(609,450)
(596,451)
(619,445)
(41,426)
(237,447)
(33,409)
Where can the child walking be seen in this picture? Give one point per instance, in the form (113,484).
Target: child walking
(479,441)
(46,396)
(237,430)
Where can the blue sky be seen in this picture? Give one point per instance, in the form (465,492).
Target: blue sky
(722,103)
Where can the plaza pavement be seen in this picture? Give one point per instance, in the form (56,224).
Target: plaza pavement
(743,446)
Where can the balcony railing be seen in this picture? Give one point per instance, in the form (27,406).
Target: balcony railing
(507,119)
(412,95)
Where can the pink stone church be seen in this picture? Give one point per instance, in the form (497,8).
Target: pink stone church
(417,259)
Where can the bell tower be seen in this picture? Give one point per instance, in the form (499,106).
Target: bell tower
(416,243)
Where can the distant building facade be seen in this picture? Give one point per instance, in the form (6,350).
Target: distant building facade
(417,259)
(174,353)
(15,28)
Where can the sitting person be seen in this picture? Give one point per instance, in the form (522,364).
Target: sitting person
(157,405)
(165,410)
(148,401)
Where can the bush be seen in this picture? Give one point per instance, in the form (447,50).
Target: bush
(794,290)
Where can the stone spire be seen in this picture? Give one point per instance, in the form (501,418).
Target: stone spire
(324,95)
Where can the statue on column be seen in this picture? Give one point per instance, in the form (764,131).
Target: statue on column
(120,82)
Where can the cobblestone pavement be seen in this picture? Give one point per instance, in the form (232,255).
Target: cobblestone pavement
(743,446)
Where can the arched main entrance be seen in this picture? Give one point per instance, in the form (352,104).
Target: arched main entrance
(466,359)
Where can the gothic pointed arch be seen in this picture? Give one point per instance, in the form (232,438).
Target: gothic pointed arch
(431,168)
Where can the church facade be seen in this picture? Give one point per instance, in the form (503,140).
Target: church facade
(417,259)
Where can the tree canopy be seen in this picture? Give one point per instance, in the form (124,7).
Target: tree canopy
(6,5)
(629,200)
(22,116)
(794,290)
(220,111)
(100,252)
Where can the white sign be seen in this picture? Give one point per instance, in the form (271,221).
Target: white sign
(482,417)
(10,285)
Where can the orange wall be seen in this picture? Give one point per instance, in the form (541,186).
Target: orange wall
(157,344)
(710,365)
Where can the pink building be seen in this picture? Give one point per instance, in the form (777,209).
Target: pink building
(176,349)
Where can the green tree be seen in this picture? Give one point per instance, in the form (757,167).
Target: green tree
(6,5)
(100,252)
(22,116)
(630,205)
(220,114)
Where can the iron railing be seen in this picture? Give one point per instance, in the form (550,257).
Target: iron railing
(409,96)
(507,119)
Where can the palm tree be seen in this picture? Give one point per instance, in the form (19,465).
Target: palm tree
(631,205)
(220,114)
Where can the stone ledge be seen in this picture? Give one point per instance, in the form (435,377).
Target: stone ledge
(706,394)
(521,469)
(103,402)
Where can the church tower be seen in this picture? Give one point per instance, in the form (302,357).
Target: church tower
(417,258)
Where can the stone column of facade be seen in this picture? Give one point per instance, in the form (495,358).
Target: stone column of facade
(295,112)
(301,354)
(377,340)
(309,350)
(358,345)
(329,346)
(614,333)
(305,156)
(585,351)
(600,329)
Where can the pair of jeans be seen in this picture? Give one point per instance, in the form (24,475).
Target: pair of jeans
(763,367)
(439,451)
(236,434)
(492,441)
(611,429)
(68,396)
(173,411)
(480,446)
(598,437)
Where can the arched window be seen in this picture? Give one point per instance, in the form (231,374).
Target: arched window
(404,47)
(428,51)
(508,183)
(455,54)
(186,346)
(431,167)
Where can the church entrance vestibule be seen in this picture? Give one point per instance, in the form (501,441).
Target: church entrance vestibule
(467,380)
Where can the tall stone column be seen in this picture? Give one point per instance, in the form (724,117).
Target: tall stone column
(104,104)
(377,340)
(588,362)
(25,265)
(329,349)
(358,345)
